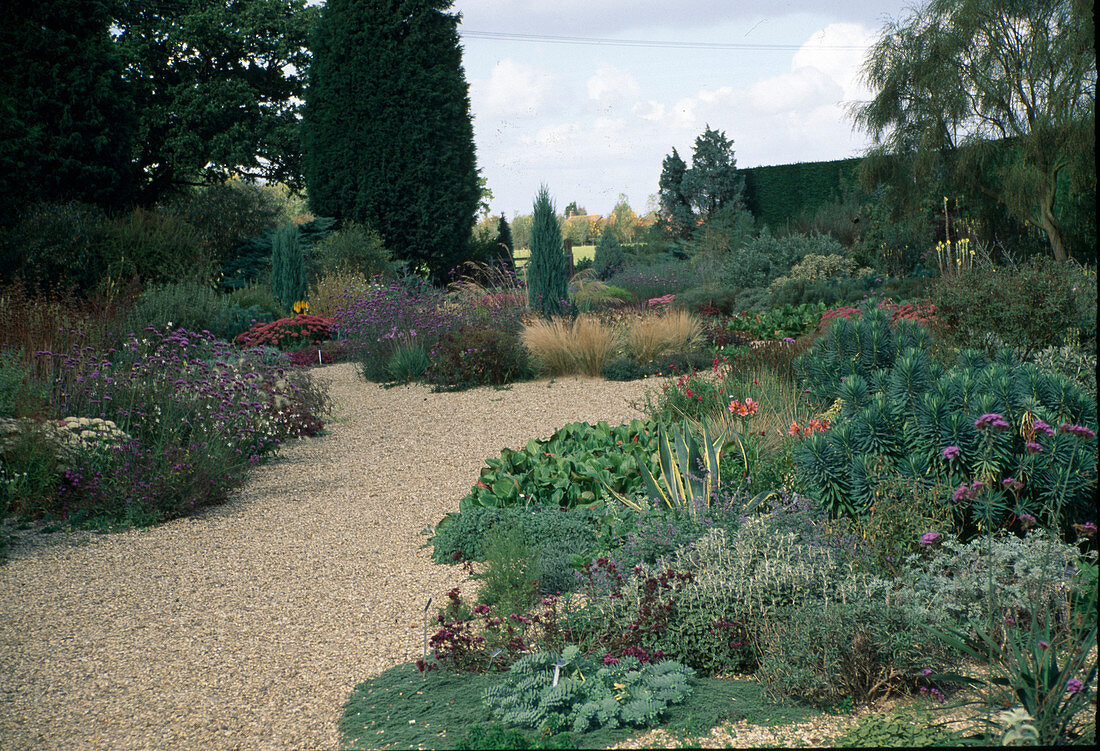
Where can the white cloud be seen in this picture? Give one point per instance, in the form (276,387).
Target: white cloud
(798,90)
(609,86)
(597,128)
(513,89)
(841,65)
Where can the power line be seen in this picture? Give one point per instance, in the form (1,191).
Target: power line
(645,43)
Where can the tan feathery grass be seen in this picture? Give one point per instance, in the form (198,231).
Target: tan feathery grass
(593,344)
(654,335)
(584,346)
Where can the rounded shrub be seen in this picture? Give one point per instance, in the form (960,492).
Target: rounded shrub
(54,245)
(154,246)
(474,356)
(1043,303)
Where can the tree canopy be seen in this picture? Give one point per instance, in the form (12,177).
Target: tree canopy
(387,135)
(118,102)
(692,195)
(217,84)
(66,119)
(956,76)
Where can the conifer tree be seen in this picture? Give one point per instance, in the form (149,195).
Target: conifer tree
(387,136)
(504,244)
(288,266)
(609,255)
(547,285)
(66,117)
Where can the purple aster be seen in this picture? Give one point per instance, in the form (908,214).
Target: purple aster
(1012,484)
(1033,447)
(951,452)
(1078,430)
(960,493)
(1074,686)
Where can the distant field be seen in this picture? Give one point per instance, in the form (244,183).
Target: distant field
(580,252)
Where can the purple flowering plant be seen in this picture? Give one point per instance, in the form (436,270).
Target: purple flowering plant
(1049,666)
(198,414)
(411,312)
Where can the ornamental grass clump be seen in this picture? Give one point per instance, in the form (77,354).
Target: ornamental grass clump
(585,345)
(197,412)
(653,335)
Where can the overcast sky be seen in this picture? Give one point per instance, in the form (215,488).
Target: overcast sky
(595,120)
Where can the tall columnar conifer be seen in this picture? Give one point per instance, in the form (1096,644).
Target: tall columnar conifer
(387,136)
(547,282)
(504,242)
(288,266)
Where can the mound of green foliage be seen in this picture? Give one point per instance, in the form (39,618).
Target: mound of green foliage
(902,413)
(556,692)
(403,708)
(554,536)
(573,467)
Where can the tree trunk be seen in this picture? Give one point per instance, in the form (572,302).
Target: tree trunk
(1049,224)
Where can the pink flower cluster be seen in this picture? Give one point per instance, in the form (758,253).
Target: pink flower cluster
(746,408)
(813,426)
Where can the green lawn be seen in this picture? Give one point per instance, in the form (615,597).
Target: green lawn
(580,253)
(402,708)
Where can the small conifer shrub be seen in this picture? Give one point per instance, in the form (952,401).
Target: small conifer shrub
(547,273)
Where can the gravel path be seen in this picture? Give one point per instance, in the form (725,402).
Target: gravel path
(248,626)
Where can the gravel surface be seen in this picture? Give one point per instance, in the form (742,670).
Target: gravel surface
(249,625)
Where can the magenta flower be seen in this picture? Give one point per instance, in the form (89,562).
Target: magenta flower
(960,493)
(1039,426)
(930,538)
(1044,645)
(1033,447)
(991,420)
(951,452)
(1012,484)
(1074,686)
(1078,430)
(1027,521)
(788,339)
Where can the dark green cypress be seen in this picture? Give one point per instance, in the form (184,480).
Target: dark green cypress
(387,137)
(67,122)
(503,243)
(609,255)
(547,282)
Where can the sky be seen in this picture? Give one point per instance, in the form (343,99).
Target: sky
(595,120)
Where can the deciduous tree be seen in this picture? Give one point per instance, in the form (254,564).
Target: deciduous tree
(956,76)
(216,85)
